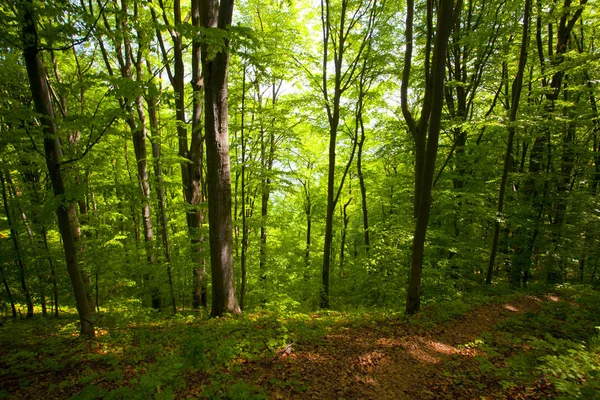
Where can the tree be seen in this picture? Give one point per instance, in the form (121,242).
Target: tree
(40,91)
(426,133)
(216,17)
(517,86)
(341,34)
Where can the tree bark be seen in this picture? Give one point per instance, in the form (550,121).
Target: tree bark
(9,294)
(514,107)
(36,73)
(215,14)
(160,192)
(446,14)
(197,179)
(244,204)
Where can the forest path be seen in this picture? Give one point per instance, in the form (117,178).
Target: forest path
(392,359)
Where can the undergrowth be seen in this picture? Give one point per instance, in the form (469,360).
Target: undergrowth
(142,354)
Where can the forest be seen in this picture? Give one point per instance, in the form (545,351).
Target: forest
(299,199)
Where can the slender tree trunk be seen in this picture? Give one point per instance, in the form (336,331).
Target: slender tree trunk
(244,205)
(445,18)
(363,188)
(52,271)
(215,14)
(9,294)
(160,193)
(345,220)
(516,95)
(308,212)
(197,181)
(43,103)
(15,239)
(72,140)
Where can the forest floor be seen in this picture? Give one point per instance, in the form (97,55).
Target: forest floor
(518,346)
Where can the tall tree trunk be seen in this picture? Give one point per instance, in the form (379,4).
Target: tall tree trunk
(191,171)
(336,36)
(128,61)
(244,204)
(445,16)
(514,107)
(363,188)
(38,83)
(72,140)
(197,180)
(215,14)
(160,192)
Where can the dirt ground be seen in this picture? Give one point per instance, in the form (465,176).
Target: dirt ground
(391,360)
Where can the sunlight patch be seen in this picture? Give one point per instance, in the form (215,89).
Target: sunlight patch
(511,307)
(419,354)
(441,347)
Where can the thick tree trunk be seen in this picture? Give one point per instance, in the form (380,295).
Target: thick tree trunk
(217,14)
(43,103)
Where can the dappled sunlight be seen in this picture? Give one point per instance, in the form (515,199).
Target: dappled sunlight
(419,354)
(553,297)
(510,307)
(441,347)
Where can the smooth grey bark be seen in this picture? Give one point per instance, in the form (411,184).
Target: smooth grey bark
(215,14)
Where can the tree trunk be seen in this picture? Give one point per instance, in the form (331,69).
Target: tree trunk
(215,14)
(160,192)
(43,104)
(197,183)
(516,95)
(446,14)
(243,190)
(345,220)
(9,294)
(363,188)
(15,239)
(191,171)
